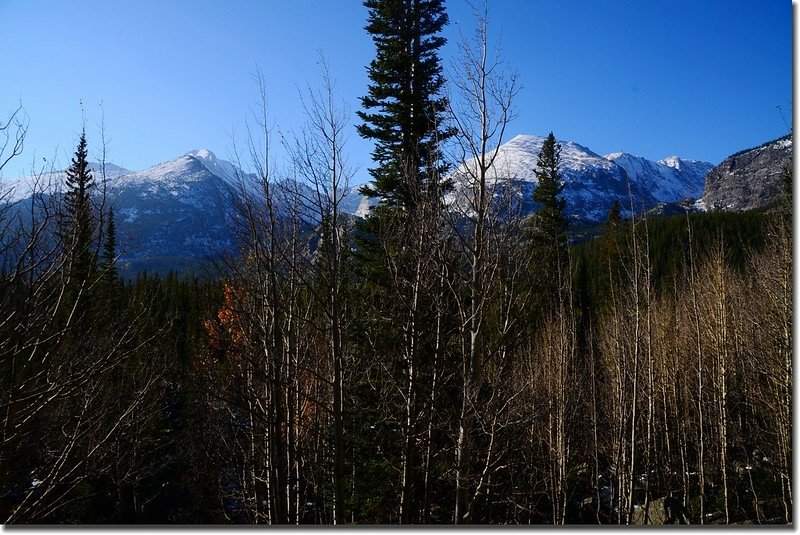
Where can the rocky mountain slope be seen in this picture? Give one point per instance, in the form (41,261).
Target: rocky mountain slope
(749,179)
(174,211)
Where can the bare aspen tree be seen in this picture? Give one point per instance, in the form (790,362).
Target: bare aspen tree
(770,352)
(557,360)
(421,233)
(718,316)
(288,308)
(695,316)
(593,371)
(618,330)
(649,305)
(12,135)
(318,158)
(480,109)
(626,331)
(634,311)
(262,323)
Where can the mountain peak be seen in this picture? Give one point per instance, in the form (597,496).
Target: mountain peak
(221,168)
(526,137)
(621,156)
(750,178)
(672,161)
(202,154)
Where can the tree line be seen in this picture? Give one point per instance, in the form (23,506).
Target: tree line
(425,364)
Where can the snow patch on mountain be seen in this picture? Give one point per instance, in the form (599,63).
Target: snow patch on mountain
(591,182)
(671,161)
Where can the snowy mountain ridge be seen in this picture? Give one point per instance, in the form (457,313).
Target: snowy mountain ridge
(670,179)
(181,211)
(17,189)
(591,182)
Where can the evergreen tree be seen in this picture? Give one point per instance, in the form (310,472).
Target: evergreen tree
(76,233)
(549,225)
(108,259)
(607,269)
(403,108)
(110,283)
(77,225)
(403,114)
(614,218)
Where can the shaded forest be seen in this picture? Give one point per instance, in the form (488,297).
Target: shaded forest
(466,365)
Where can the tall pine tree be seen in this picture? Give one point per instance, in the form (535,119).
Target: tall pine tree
(110,283)
(549,225)
(403,114)
(77,221)
(403,107)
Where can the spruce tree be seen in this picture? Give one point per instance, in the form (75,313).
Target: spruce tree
(549,224)
(110,283)
(403,107)
(108,259)
(607,270)
(403,114)
(77,224)
(76,233)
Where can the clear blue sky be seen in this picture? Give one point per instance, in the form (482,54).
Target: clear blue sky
(700,79)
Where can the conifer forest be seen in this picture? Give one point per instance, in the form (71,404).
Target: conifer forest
(426,364)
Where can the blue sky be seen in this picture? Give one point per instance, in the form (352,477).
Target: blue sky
(700,79)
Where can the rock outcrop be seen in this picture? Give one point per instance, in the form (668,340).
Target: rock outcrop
(749,179)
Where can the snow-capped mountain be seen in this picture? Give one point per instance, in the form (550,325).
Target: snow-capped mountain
(175,213)
(168,216)
(667,180)
(591,182)
(17,189)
